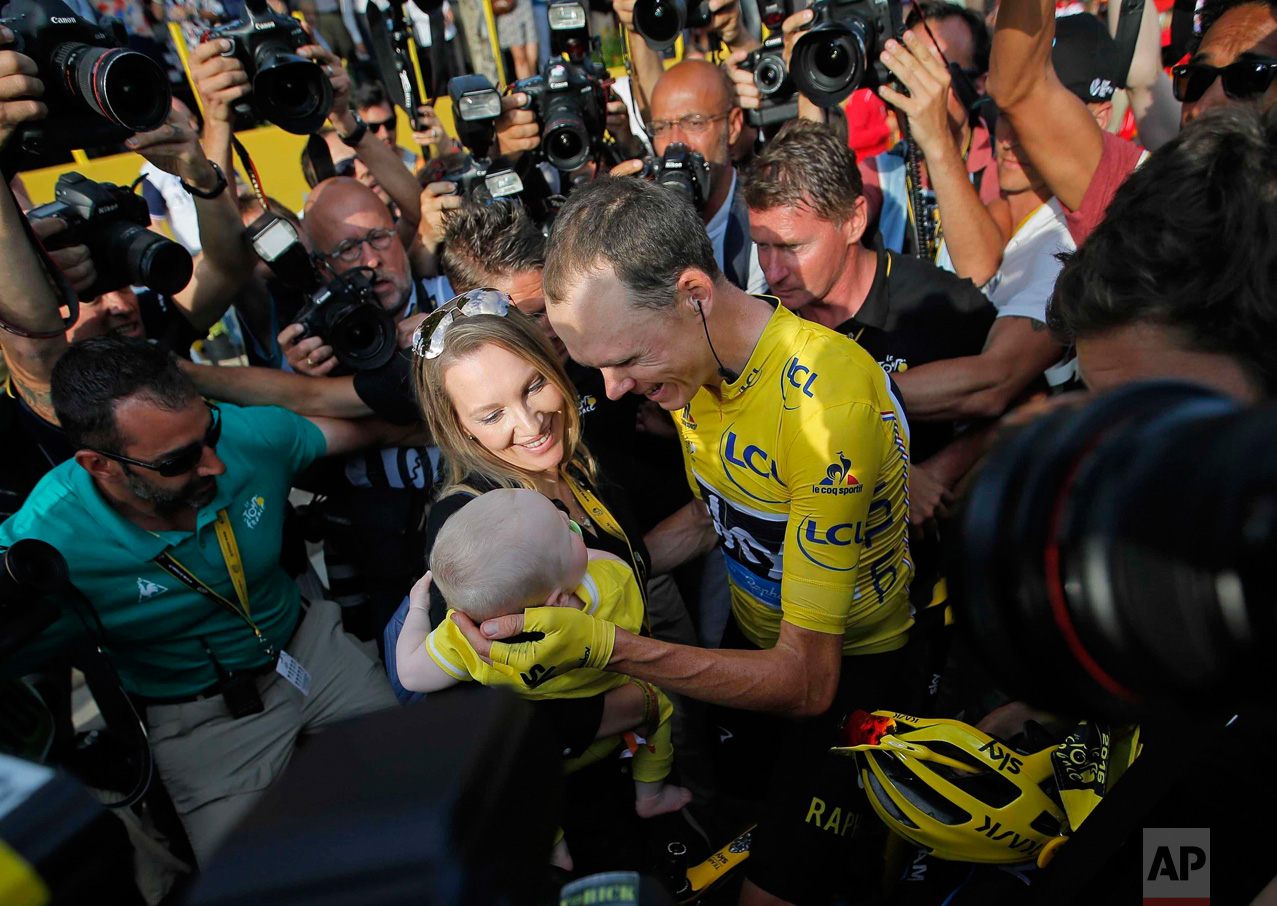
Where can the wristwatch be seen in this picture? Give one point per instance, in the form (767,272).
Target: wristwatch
(208,193)
(352,140)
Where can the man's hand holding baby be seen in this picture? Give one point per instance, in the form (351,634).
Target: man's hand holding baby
(569,639)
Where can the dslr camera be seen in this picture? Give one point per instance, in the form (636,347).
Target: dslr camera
(288,90)
(660,22)
(114,224)
(342,308)
(684,171)
(570,102)
(838,53)
(97,90)
(779,94)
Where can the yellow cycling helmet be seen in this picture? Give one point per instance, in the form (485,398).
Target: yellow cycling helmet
(954,790)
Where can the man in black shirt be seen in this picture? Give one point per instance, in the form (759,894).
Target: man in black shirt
(808,217)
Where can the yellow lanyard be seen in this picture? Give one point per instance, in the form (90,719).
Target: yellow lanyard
(599,513)
(234,566)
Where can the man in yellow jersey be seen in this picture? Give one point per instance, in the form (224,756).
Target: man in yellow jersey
(798,453)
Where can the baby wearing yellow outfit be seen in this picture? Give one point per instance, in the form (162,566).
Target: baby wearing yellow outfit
(502,553)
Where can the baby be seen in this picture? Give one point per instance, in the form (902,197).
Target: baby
(509,550)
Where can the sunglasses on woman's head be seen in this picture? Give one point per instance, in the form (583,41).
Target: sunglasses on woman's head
(185,459)
(428,340)
(1242,79)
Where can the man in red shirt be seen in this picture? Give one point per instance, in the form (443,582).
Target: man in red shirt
(1081,163)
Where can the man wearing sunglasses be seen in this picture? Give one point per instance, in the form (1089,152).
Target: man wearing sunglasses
(1235,62)
(170,516)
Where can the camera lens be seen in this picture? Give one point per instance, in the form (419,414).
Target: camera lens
(149,258)
(31,565)
(770,75)
(291,91)
(362,335)
(1090,579)
(828,62)
(567,140)
(126,87)
(660,22)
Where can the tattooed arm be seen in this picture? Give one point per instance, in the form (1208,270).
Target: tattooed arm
(27,302)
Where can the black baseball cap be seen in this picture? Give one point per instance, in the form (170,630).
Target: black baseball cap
(1085,57)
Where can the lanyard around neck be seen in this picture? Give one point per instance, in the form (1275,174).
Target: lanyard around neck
(234,566)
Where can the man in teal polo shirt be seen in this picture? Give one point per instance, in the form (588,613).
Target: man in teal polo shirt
(170,517)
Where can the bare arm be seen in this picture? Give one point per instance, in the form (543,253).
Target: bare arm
(331,397)
(1054,127)
(226,260)
(27,298)
(683,535)
(417,670)
(980,386)
(1148,87)
(974,240)
(220,82)
(647,65)
(798,677)
(383,162)
(349,435)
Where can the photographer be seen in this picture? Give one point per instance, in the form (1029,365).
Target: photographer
(694,103)
(32,435)
(213,644)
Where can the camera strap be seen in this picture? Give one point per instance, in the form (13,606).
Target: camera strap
(254,178)
(234,566)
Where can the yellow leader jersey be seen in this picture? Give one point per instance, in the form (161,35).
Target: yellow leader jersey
(609,591)
(804,465)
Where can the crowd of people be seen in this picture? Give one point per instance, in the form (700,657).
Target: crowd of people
(680,477)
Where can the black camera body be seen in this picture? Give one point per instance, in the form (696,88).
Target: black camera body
(839,52)
(342,308)
(660,22)
(570,102)
(682,170)
(779,93)
(288,90)
(97,90)
(346,312)
(114,224)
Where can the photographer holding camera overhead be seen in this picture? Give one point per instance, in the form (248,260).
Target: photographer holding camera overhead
(694,105)
(97,237)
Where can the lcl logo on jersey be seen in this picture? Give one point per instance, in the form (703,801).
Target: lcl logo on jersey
(821,543)
(738,456)
(796,378)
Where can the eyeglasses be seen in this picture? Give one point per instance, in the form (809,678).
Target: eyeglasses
(184,459)
(384,124)
(345,167)
(428,340)
(692,124)
(1242,79)
(349,249)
